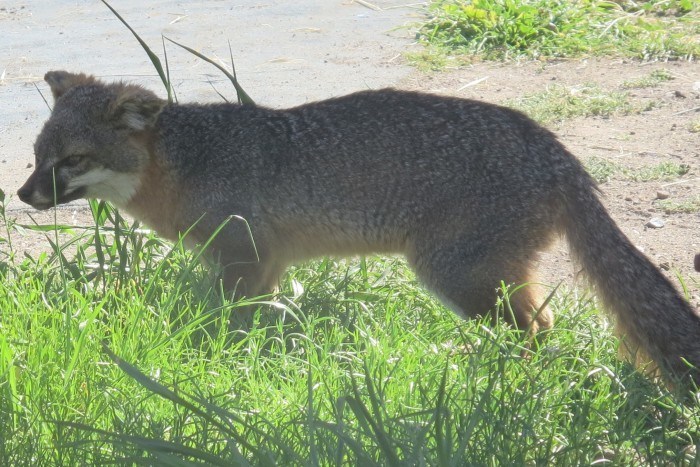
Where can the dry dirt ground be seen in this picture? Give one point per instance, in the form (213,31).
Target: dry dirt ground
(661,134)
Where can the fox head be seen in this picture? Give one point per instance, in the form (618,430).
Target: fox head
(92,146)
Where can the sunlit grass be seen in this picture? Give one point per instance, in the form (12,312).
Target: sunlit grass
(357,364)
(553,28)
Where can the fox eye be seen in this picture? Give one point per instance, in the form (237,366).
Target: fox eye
(73,160)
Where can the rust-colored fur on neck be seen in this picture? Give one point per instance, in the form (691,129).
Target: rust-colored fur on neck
(160,196)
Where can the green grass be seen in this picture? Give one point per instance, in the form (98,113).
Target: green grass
(651,80)
(661,29)
(122,353)
(429,59)
(663,171)
(603,170)
(558,103)
(687,206)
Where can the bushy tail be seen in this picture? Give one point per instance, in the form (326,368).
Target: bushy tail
(651,314)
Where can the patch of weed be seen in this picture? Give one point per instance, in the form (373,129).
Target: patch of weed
(554,28)
(428,59)
(673,207)
(559,103)
(660,172)
(602,170)
(651,80)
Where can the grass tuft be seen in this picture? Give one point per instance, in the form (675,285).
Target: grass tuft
(651,80)
(602,170)
(664,171)
(662,30)
(688,206)
(558,103)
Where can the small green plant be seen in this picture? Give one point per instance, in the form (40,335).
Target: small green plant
(651,80)
(428,59)
(559,103)
(501,28)
(602,170)
(673,207)
(694,126)
(662,171)
(512,28)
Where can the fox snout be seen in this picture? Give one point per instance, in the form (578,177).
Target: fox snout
(25,193)
(43,192)
(28,194)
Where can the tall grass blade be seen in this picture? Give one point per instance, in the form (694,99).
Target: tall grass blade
(242,95)
(363,415)
(152,56)
(443,440)
(348,440)
(225,424)
(155,447)
(171,97)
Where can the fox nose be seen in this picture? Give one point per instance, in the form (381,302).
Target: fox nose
(24,193)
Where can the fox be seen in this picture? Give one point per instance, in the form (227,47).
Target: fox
(468,192)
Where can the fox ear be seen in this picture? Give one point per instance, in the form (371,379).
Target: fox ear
(136,107)
(62,81)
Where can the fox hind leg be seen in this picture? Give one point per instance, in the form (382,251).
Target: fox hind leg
(468,274)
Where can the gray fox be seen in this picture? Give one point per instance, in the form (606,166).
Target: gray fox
(467,191)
